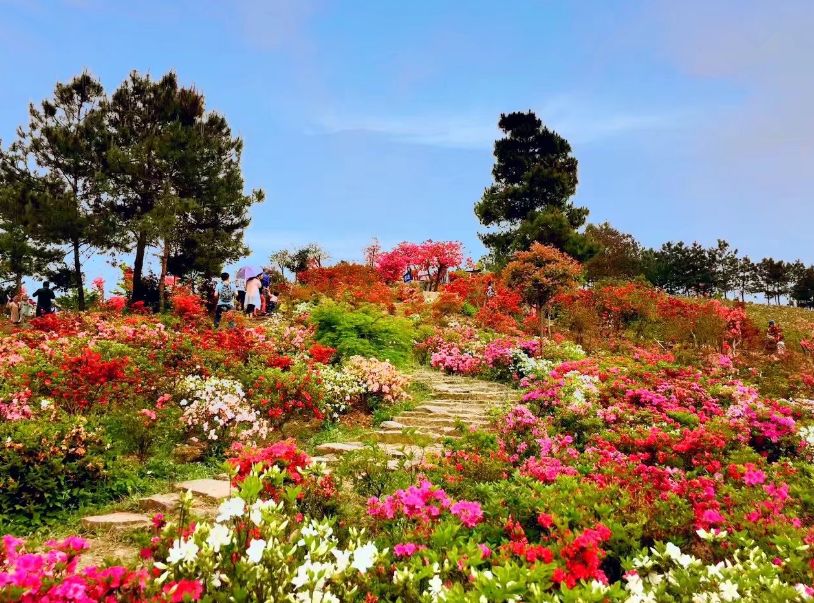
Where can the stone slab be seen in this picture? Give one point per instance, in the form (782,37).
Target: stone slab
(115,521)
(210,489)
(161,503)
(338,447)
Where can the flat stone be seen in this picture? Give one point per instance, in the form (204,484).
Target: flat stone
(338,447)
(391,425)
(164,503)
(115,521)
(210,489)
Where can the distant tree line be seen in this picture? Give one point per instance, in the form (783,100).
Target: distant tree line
(144,168)
(529,201)
(692,269)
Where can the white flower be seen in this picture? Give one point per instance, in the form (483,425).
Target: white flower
(218,537)
(234,507)
(255,551)
(364,557)
(342,559)
(182,550)
(729,591)
(436,588)
(672,551)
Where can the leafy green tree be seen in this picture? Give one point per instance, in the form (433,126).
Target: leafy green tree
(20,253)
(535,176)
(176,176)
(619,255)
(803,289)
(774,278)
(725,265)
(746,279)
(63,146)
(281,259)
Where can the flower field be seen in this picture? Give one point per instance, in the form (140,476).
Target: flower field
(650,449)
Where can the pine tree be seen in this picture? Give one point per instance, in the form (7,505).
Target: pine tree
(535,176)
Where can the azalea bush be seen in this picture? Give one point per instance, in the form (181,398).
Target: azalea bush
(216,413)
(52,465)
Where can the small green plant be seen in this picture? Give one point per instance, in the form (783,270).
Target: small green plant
(364,332)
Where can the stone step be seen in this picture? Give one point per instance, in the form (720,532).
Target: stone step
(450,411)
(393,450)
(434,421)
(338,448)
(160,503)
(209,489)
(474,396)
(473,404)
(115,521)
(409,437)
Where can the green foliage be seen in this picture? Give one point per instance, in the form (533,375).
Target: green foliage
(365,332)
(48,467)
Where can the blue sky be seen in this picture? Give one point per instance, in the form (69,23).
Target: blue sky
(690,120)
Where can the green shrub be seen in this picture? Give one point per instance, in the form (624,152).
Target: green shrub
(364,332)
(47,467)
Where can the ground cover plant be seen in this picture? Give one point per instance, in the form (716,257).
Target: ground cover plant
(649,447)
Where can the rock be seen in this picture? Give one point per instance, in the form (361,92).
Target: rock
(162,503)
(188,453)
(338,447)
(115,521)
(391,425)
(210,489)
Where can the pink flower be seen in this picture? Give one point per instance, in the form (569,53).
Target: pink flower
(407,549)
(712,516)
(754,477)
(470,513)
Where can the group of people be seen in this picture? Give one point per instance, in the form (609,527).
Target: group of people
(253,296)
(20,306)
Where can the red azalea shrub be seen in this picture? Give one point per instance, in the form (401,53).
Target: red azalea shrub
(283,454)
(86,380)
(186,304)
(321,353)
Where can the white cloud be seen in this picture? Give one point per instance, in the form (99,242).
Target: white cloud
(578,122)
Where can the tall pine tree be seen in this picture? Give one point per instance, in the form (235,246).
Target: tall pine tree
(535,176)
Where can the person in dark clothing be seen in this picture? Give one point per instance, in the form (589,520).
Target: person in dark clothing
(45,296)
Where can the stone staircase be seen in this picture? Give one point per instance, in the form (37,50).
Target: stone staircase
(454,403)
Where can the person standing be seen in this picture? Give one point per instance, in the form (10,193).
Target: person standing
(16,310)
(274,301)
(225,296)
(240,287)
(252,295)
(45,297)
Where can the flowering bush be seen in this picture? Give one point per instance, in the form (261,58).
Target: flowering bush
(256,550)
(380,379)
(53,575)
(49,466)
(216,413)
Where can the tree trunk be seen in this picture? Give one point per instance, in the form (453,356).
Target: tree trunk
(138,267)
(18,283)
(162,287)
(541,319)
(77,268)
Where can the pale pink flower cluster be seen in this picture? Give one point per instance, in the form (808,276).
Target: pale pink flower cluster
(17,408)
(378,377)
